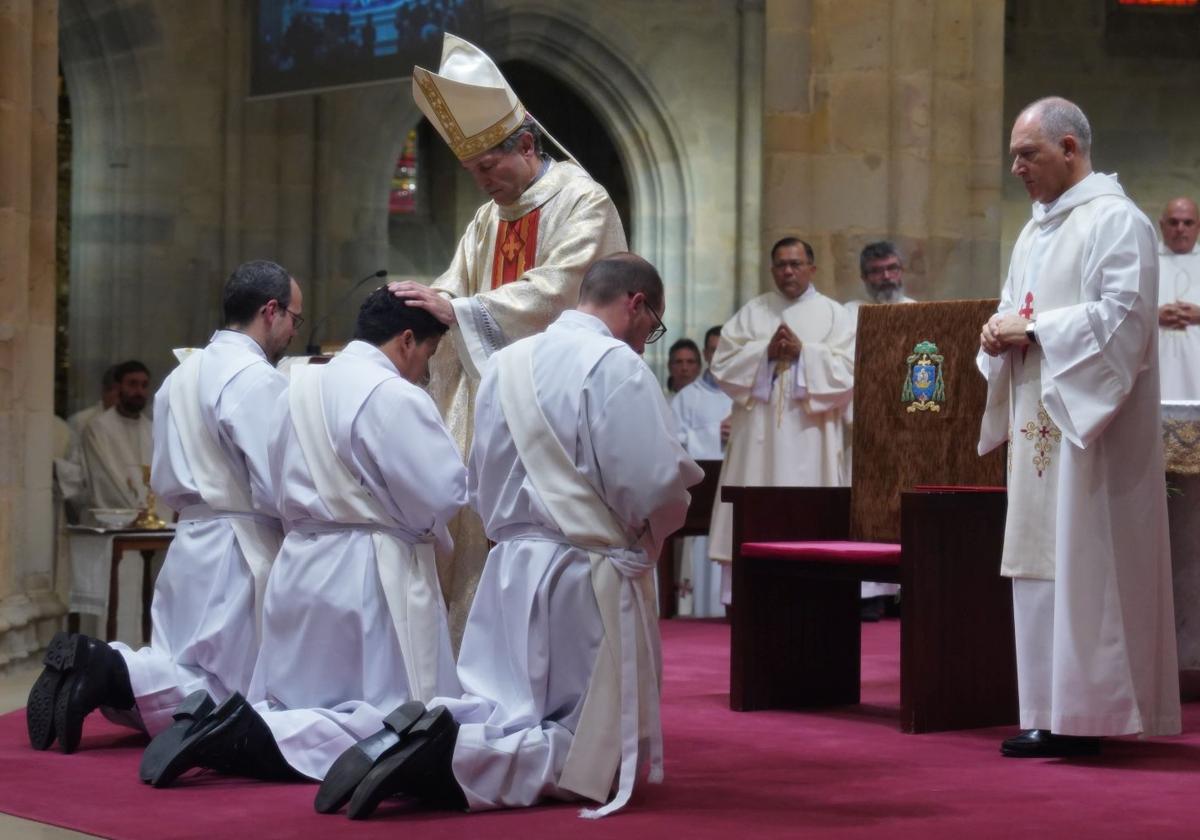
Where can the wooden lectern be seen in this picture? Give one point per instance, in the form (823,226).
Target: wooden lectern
(923,510)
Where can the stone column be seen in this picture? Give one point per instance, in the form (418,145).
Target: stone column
(883,120)
(28,119)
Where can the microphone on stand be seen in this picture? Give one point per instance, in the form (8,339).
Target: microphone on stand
(314,349)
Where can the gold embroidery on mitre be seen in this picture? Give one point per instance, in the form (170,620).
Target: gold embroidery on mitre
(1044,435)
(468,147)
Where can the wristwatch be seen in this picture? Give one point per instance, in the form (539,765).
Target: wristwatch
(1030,333)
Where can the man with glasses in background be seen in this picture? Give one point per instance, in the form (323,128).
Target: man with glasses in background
(882,270)
(786,359)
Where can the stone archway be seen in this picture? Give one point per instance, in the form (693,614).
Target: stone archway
(640,124)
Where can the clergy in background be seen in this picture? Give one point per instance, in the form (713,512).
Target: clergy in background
(354,624)
(787,360)
(1071,361)
(578,474)
(881,267)
(702,411)
(1179,301)
(118,441)
(210,464)
(517,266)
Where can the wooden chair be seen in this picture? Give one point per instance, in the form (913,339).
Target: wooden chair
(923,510)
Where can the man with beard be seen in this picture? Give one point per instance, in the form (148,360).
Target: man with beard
(210,464)
(119,441)
(882,270)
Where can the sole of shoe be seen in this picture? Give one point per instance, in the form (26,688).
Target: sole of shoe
(67,726)
(194,708)
(39,709)
(352,766)
(387,777)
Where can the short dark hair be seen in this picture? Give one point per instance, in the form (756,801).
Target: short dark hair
(251,286)
(528,126)
(710,332)
(383,316)
(109,378)
(619,274)
(789,241)
(684,344)
(122,370)
(877,251)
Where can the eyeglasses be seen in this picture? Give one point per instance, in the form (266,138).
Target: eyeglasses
(659,331)
(880,270)
(297,320)
(793,264)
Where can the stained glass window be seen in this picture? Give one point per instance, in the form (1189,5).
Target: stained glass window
(403,198)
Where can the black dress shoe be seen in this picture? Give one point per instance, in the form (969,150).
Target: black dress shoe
(39,710)
(1041,743)
(194,708)
(420,769)
(233,739)
(97,677)
(208,736)
(352,766)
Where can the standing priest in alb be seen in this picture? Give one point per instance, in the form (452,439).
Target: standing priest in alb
(1071,360)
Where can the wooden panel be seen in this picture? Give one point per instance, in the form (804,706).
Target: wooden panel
(895,449)
(957,655)
(782,625)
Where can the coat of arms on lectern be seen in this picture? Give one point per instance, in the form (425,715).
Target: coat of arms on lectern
(924,389)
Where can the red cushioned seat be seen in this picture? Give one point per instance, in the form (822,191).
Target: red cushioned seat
(843,551)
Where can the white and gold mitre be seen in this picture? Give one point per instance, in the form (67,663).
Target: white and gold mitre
(467,100)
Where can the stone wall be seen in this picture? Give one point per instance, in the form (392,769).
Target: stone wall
(178,177)
(883,120)
(28,118)
(1140,97)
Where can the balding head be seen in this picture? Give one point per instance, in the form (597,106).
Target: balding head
(1179,223)
(1051,148)
(626,293)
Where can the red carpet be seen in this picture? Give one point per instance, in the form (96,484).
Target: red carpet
(845,773)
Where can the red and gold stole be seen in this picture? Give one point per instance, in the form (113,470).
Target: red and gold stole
(516,247)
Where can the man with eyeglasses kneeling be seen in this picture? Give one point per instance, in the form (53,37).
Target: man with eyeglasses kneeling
(578,475)
(211,465)
(787,360)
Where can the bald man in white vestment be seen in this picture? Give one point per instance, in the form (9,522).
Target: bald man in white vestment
(578,474)
(354,624)
(1179,301)
(787,360)
(1071,362)
(210,464)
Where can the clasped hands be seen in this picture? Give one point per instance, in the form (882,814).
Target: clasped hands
(1003,332)
(423,297)
(1178,315)
(784,344)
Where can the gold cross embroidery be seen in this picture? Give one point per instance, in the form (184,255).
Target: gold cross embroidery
(1044,435)
(512,244)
